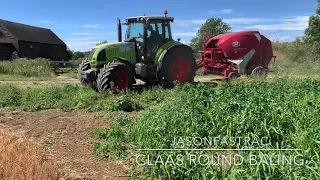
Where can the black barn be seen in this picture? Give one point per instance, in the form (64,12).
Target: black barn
(30,42)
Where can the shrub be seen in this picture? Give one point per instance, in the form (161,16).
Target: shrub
(27,67)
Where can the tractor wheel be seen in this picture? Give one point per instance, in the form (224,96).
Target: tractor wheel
(178,66)
(259,72)
(83,67)
(115,77)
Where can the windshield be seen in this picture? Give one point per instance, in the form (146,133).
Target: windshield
(135,30)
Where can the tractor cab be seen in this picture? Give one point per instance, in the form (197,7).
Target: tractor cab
(149,33)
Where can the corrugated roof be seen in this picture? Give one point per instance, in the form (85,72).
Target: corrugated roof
(23,32)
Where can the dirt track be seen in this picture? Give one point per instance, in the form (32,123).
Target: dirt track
(60,80)
(63,138)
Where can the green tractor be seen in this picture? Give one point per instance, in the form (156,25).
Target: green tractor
(148,53)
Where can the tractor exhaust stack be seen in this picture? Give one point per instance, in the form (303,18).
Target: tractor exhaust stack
(119,31)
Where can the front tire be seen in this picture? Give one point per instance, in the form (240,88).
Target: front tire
(83,67)
(178,67)
(115,77)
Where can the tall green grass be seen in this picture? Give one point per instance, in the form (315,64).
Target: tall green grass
(27,67)
(69,97)
(285,111)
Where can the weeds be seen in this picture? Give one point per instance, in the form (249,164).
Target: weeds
(285,111)
(68,97)
(27,68)
(17,161)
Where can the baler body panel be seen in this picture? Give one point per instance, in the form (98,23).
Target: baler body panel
(237,52)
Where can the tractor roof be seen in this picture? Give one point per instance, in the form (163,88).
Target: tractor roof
(139,18)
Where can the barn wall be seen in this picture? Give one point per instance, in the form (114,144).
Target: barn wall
(48,51)
(6,37)
(6,51)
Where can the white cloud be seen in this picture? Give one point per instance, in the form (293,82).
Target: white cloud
(87,42)
(230,21)
(289,23)
(185,42)
(245,20)
(226,11)
(46,21)
(283,38)
(223,11)
(297,23)
(95,26)
(188,34)
(82,46)
(189,23)
(80,33)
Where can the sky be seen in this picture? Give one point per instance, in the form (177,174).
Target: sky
(82,24)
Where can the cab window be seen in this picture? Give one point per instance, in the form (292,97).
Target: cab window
(167,32)
(135,30)
(102,56)
(156,26)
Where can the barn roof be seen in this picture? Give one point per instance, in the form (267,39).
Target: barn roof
(23,32)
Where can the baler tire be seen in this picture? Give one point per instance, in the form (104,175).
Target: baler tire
(259,71)
(165,72)
(83,67)
(112,72)
(233,75)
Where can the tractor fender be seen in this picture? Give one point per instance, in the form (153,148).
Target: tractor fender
(182,47)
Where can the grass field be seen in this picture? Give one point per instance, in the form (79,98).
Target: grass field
(283,109)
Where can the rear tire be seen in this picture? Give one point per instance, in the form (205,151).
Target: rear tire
(83,67)
(178,67)
(115,77)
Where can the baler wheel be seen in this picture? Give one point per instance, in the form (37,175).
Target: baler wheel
(115,77)
(259,72)
(83,67)
(233,75)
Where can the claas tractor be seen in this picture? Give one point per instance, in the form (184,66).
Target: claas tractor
(235,54)
(148,53)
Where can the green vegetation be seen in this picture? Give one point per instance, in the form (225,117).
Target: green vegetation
(68,97)
(36,68)
(285,111)
(68,72)
(215,26)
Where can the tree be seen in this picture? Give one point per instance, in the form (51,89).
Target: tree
(214,26)
(312,35)
(78,54)
(69,54)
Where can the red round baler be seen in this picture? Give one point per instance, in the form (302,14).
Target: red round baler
(235,54)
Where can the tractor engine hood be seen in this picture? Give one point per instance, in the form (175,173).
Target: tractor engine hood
(107,52)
